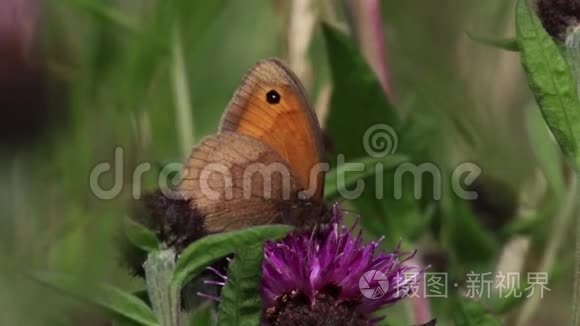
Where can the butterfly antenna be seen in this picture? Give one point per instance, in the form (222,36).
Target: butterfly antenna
(342,200)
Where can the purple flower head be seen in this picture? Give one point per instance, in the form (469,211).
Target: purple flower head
(330,275)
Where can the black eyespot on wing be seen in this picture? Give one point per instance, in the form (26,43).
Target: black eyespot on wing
(273,97)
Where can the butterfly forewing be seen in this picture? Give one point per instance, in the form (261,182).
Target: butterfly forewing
(271,105)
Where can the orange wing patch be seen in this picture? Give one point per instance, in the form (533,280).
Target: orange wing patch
(271,105)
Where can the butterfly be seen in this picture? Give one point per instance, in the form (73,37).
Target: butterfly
(264,165)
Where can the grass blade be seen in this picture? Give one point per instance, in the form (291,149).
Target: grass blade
(105,296)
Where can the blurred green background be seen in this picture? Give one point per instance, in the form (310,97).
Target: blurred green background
(82,77)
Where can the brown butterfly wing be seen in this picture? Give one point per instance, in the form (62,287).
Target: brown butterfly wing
(289,127)
(224,177)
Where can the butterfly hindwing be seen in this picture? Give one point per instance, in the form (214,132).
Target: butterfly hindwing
(236,181)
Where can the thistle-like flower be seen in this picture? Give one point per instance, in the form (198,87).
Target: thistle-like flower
(330,277)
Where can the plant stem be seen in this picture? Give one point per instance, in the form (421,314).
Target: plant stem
(576,301)
(301,23)
(368,25)
(573,51)
(165,299)
(184,117)
(420,307)
(562,221)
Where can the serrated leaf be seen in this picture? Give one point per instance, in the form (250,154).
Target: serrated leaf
(346,176)
(469,313)
(206,250)
(550,79)
(140,236)
(110,298)
(240,300)
(510,44)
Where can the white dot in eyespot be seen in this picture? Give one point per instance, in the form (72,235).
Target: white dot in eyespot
(273,97)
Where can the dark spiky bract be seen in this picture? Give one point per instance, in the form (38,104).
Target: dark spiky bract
(559,17)
(173,220)
(295,309)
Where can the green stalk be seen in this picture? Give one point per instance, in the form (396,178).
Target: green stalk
(576,301)
(165,299)
(561,222)
(183,111)
(573,51)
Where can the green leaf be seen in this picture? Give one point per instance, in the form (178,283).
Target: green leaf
(240,300)
(546,152)
(355,90)
(550,79)
(106,13)
(469,313)
(507,303)
(358,103)
(124,322)
(140,236)
(504,44)
(110,298)
(523,226)
(347,175)
(210,248)
(463,234)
